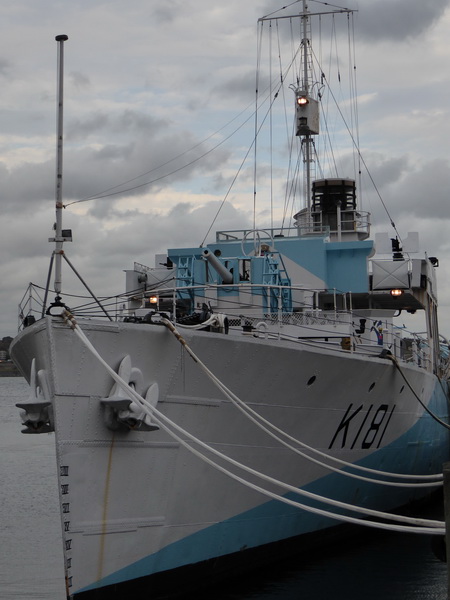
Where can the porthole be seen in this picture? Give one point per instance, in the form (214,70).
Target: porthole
(372,385)
(311,380)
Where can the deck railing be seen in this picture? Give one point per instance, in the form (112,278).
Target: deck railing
(337,328)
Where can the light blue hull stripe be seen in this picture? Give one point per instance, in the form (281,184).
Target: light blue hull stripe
(274,520)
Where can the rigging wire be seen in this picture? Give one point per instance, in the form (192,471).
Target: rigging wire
(258,127)
(188,164)
(282,8)
(354,79)
(425,407)
(255,138)
(252,145)
(212,135)
(291,173)
(357,148)
(271,129)
(230,187)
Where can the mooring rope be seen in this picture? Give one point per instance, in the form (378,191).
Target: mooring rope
(430,527)
(250,413)
(431,413)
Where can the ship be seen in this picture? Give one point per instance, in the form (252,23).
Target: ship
(243,398)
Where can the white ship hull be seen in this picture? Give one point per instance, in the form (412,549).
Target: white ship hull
(137,503)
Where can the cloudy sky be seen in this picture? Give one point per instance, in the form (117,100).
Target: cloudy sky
(150,87)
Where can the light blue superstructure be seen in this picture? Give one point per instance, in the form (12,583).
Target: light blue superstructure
(337,266)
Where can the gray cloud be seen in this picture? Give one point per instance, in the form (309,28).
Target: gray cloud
(91,171)
(79,80)
(6,67)
(155,232)
(386,171)
(166,13)
(82,128)
(124,123)
(426,190)
(397,20)
(242,86)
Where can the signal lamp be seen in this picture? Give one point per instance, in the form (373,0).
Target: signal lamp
(302,100)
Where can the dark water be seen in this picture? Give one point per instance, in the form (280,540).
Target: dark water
(375,566)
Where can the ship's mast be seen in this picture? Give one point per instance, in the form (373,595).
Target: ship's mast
(307,139)
(59,239)
(307,107)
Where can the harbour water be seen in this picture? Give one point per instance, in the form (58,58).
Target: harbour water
(371,567)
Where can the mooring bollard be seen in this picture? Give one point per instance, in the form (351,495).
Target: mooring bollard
(447,517)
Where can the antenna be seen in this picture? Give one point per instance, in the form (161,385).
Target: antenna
(61,235)
(59,239)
